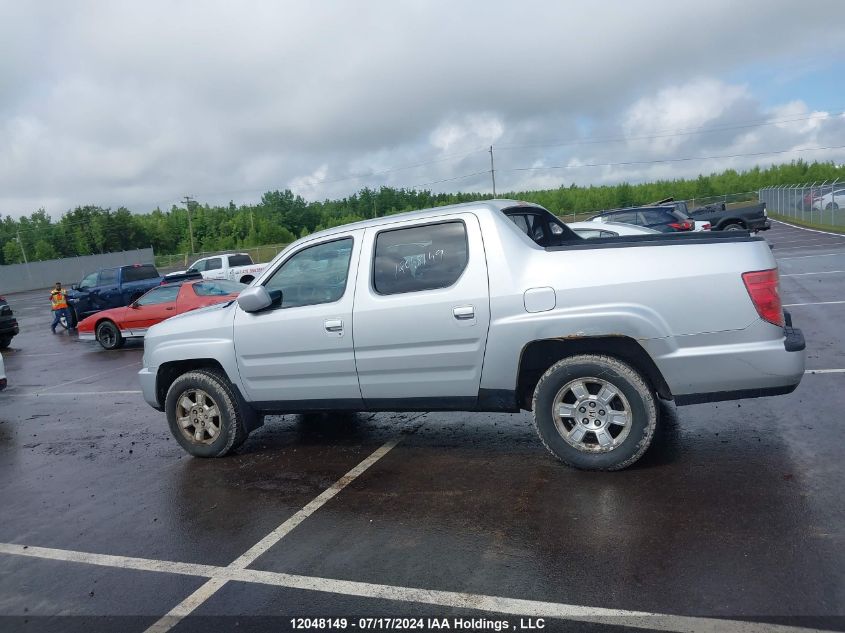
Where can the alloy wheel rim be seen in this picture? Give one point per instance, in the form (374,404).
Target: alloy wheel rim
(592,415)
(198,417)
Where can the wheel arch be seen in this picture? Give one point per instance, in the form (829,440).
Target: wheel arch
(729,221)
(537,356)
(169,371)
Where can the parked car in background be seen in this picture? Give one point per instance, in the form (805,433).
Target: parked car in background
(589,230)
(749,218)
(459,308)
(234,267)
(665,219)
(111,328)
(681,207)
(8,324)
(111,288)
(2,374)
(831,200)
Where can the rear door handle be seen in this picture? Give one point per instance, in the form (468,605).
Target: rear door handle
(334,325)
(463,313)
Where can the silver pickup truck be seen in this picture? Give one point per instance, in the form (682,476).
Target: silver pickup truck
(487,306)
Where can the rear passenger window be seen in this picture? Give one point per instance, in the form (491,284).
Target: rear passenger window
(626,217)
(420,258)
(139,273)
(108,277)
(657,216)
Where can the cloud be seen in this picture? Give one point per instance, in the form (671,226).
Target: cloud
(141,103)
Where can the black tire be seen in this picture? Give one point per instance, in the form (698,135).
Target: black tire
(639,400)
(232,432)
(733,227)
(5,341)
(832,206)
(109,336)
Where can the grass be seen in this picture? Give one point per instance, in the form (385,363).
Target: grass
(810,225)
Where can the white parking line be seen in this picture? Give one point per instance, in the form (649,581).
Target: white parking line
(825,371)
(219,576)
(72,394)
(71,382)
(803,241)
(247,558)
(804,228)
(824,272)
(814,303)
(808,256)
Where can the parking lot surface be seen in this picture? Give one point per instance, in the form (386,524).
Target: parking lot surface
(733,521)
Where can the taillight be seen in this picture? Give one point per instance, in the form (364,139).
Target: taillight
(762,287)
(681,226)
(706,227)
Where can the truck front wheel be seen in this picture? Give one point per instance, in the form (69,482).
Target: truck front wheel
(203,415)
(594,412)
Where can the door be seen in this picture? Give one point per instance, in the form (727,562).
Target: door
(422,312)
(107,293)
(298,355)
(214,268)
(154,307)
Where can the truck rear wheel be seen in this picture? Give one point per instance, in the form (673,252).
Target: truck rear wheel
(202,414)
(594,412)
(734,227)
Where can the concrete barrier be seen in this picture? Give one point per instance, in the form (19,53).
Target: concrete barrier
(70,270)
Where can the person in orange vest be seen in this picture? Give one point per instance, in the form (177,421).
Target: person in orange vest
(58,301)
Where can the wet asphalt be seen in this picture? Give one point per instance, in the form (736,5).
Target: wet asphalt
(735,512)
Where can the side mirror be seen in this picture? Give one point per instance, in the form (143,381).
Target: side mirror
(254,299)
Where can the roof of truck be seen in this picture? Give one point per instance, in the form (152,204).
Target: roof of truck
(486,205)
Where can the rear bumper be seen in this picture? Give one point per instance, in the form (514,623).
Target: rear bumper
(9,326)
(737,370)
(147,377)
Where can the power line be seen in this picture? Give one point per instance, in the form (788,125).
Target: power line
(674,160)
(669,133)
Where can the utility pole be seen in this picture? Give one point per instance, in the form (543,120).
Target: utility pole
(492,171)
(23,252)
(188,200)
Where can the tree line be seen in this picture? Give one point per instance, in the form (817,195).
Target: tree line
(281,216)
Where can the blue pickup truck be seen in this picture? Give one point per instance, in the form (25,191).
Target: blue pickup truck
(111,288)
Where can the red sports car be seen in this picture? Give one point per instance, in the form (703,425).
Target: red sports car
(112,327)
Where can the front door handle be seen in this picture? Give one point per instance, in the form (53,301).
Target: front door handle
(334,325)
(463,313)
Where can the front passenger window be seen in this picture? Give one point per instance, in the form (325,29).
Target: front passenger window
(314,275)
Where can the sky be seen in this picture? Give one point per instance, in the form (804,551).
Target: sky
(138,104)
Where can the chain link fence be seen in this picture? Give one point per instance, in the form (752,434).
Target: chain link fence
(180,261)
(819,203)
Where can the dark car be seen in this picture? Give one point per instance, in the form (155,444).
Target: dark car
(111,288)
(665,219)
(750,218)
(8,324)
